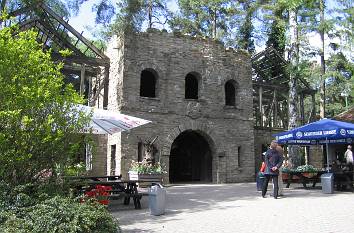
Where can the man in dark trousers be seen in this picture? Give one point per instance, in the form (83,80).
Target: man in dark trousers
(273,160)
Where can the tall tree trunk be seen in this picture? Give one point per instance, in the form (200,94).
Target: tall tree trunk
(294,151)
(323,67)
(214,23)
(150,13)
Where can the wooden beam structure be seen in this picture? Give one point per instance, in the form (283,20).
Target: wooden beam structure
(86,60)
(270,82)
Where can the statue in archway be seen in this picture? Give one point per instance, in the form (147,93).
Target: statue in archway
(149,151)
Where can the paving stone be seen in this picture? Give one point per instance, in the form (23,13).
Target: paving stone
(240,208)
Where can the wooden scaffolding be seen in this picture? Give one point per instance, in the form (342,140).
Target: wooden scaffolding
(87,67)
(271,91)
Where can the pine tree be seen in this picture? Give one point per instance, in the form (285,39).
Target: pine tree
(245,35)
(276,33)
(210,18)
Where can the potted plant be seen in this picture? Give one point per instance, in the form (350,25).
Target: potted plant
(145,171)
(307,170)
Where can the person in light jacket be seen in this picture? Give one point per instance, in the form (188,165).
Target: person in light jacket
(273,160)
(348,155)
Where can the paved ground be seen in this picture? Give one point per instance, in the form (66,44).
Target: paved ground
(240,208)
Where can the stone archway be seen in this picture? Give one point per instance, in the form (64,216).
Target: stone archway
(190,158)
(205,130)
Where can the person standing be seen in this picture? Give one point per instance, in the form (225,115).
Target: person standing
(348,155)
(280,178)
(273,160)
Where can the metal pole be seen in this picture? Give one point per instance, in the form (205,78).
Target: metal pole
(327,155)
(260,91)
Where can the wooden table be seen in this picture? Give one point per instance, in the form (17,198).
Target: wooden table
(94,178)
(126,188)
(120,188)
(302,178)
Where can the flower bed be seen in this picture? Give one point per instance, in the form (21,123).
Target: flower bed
(100,193)
(144,168)
(309,170)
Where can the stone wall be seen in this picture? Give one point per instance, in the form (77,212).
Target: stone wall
(99,153)
(228,129)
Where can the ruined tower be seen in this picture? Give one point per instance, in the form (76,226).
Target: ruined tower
(198,96)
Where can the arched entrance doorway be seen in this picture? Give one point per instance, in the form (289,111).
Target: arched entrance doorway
(190,158)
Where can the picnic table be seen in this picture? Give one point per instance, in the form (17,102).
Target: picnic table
(120,187)
(303,177)
(342,179)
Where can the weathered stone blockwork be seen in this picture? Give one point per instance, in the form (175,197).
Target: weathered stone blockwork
(98,162)
(227,129)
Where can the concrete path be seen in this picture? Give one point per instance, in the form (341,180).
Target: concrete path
(240,208)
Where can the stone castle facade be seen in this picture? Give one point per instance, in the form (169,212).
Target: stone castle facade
(198,96)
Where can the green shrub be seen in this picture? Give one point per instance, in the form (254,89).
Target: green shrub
(40,128)
(145,168)
(78,169)
(302,168)
(58,214)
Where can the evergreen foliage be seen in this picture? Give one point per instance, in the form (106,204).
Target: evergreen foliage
(210,18)
(245,38)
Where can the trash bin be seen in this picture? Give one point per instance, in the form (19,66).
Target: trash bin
(259,181)
(157,199)
(327,182)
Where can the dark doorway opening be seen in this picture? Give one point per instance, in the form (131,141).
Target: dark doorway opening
(190,158)
(191,87)
(113,159)
(148,83)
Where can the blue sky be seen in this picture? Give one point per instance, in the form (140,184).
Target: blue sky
(86,18)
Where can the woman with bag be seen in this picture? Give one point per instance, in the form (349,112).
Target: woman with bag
(260,175)
(273,160)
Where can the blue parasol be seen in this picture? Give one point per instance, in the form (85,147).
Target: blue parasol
(325,131)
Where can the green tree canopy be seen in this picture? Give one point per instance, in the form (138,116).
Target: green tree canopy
(211,18)
(38,126)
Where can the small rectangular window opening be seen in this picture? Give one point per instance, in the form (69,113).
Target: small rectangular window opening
(239,156)
(113,159)
(140,151)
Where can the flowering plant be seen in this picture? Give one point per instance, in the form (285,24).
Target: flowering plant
(146,168)
(100,193)
(303,168)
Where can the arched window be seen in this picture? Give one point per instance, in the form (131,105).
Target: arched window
(191,86)
(230,93)
(148,80)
